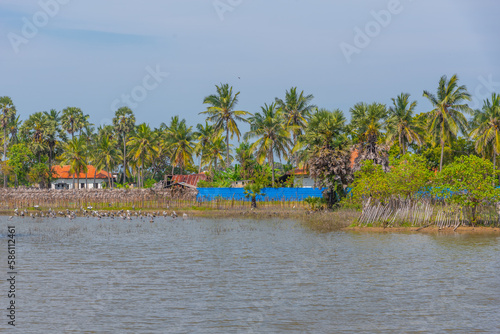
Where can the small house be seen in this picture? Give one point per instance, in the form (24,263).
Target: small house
(302,178)
(240,184)
(93,179)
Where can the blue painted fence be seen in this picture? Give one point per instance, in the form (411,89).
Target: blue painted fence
(270,194)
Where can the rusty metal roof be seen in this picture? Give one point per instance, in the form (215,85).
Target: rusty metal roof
(189,179)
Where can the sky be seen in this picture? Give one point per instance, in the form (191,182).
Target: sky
(162,57)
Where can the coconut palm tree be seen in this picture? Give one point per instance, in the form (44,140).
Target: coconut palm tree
(221,112)
(203,135)
(446,119)
(486,124)
(35,130)
(400,123)
(273,137)
(297,109)
(143,148)
(7,113)
(72,120)
(106,155)
(124,122)
(214,152)
(179,140)
(74,156)
(88,133)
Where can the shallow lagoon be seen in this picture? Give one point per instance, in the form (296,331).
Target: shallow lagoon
(246,276)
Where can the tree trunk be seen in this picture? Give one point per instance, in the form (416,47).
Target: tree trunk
(74,182)
(227,145)
(272,164)
(4,156)
(254,202)
(50,166)
(124,160)
(109,178)
(201,159)
(442,153)
(494,159)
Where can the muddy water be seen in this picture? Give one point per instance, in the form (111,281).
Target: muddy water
(245,276)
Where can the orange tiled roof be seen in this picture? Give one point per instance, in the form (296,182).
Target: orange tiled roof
(59,172)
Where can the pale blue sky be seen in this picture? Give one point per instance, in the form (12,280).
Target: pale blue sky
(88,53)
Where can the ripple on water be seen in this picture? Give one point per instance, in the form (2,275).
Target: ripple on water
(216,276)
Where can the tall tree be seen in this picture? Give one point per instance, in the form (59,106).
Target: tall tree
(221,112)
(124,122)
(35,130)
(214,152)
(53,133)
(74,156)
(180,143)
(204,135)
(486,127)
(72,120)
(447,118)
(368,122)
(273,137)
(106,154)
(143,148)
(8,112)
(297,109)
(400,123)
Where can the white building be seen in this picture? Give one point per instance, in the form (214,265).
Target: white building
(63,179)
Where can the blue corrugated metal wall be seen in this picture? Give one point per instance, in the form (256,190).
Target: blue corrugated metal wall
(270,194)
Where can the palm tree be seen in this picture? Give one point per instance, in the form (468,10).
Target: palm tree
(203,135)
(324,129)
(52,133)
(88,133)
(221,113)
(296,109)
(143,148)
(74,156)
(35,130)
(180,143)
(400,122)
(8,112)
(124,122)
(214,152)
(273,136)
(446,119)
(72,120)
(106,154)
(486,123)
(368,120)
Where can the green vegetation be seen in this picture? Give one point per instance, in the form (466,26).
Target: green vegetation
(387,154)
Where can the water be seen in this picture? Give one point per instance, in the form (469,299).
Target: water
(246,276)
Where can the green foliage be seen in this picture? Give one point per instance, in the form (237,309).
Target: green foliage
(468,182)
(315,203)
(149,183)
(370,181)
(20,161)
(408,175)
(39,173)
(253,190)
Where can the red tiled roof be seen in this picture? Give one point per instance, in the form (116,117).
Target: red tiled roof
(299,171)
(189,179)
(59,172)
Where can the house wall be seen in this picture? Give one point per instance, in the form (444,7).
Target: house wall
(303,181)
(69,183)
